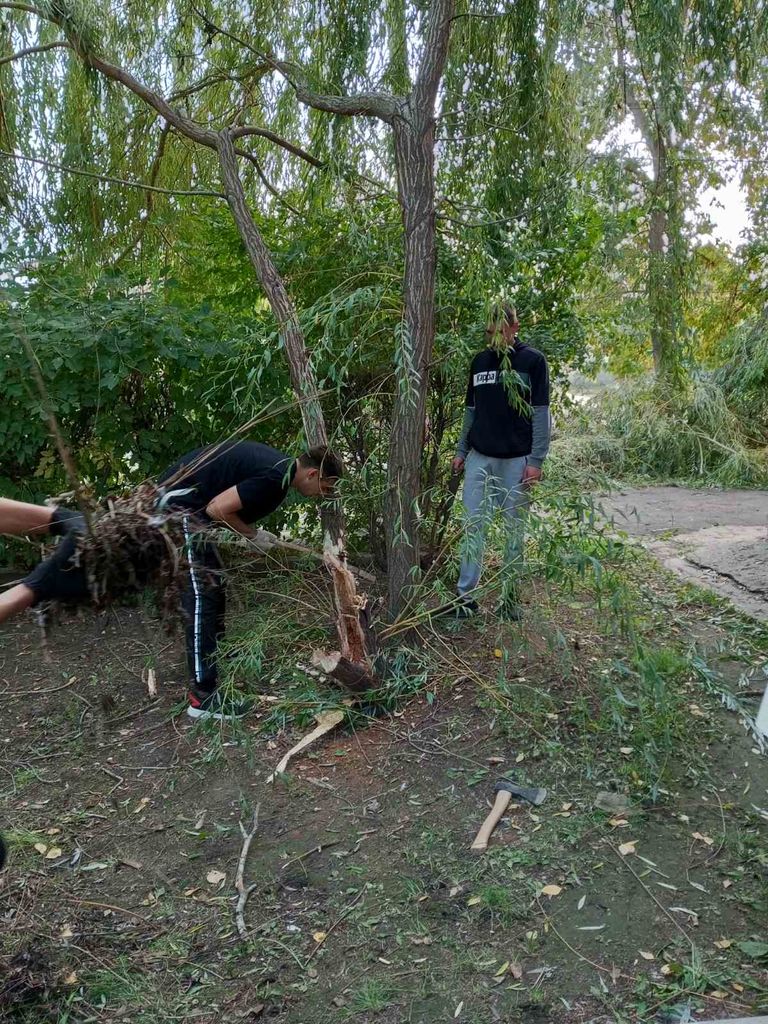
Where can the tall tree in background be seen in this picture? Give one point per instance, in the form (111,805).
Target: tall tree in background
(684,72)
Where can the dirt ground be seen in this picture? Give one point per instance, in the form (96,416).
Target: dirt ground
(716,538)
(119,903)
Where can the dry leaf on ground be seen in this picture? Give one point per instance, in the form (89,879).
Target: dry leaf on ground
(551,890)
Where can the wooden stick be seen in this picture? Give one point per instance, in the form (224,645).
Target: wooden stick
(290,547)
(315,849)
(150,679)
(326,721)
(243,893)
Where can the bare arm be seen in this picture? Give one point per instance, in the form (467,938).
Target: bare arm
(224,508)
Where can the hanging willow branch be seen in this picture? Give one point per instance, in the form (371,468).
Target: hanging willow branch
(145,186)
(35,49)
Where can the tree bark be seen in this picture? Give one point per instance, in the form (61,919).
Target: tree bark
(664,269)
(414,163)
(658,242)
(664,298)
(413,128)
(302,375)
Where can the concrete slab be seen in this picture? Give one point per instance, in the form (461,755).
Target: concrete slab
(718,539)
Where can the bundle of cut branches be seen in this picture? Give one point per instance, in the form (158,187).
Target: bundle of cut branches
(132,546)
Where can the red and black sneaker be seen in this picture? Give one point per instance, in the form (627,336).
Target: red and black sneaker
(218,706)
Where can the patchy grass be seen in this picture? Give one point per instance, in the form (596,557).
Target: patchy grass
(368,904)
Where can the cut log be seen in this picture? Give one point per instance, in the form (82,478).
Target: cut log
(353,676)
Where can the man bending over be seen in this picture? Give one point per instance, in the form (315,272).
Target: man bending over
(235,484)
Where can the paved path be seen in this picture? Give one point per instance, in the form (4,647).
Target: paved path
(718,539)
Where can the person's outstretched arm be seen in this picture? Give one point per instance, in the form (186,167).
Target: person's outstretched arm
(224,508)
(19,518)
(16,600)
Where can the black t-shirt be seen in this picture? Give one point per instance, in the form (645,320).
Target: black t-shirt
(261,474)
(503,388)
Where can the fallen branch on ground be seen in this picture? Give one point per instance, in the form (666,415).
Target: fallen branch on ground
(242,892)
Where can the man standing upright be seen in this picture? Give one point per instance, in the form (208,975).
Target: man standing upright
(503,444)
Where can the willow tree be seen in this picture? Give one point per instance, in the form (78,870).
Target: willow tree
(411,117)
(78,36)
(683,72)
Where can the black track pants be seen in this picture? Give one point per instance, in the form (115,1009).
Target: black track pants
(204,604)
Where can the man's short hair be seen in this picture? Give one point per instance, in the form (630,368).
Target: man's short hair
(321,457)
(504,311)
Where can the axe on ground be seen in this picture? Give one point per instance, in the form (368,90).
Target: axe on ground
(505,789)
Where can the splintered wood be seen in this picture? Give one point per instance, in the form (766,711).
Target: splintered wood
(351,665)
(326,721)
(350,607)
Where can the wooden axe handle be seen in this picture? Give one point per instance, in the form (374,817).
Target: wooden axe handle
(500,805)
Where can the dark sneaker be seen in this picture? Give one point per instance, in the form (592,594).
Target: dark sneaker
(218,706)
(509,610)
(460,608)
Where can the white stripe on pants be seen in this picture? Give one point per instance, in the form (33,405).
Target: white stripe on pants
(197,610)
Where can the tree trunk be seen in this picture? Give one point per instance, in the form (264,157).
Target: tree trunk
(414,161)
(302,374)
(352,611)
(664,292)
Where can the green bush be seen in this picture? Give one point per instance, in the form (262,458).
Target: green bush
(701,434)
(125,370)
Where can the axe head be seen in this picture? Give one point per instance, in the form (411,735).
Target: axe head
(532,794)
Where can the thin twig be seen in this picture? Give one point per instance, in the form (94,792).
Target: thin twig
(34,49)
(38,693)
(658,903)
(109,906)
(592,963)
(345,913)
(244,893)
(107,178)
(315,849)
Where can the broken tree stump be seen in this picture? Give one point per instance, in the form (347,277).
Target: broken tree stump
(351,666)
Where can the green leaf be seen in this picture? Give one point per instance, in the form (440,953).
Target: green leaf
(757,950)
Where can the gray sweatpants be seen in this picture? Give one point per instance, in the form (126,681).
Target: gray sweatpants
(491,484)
